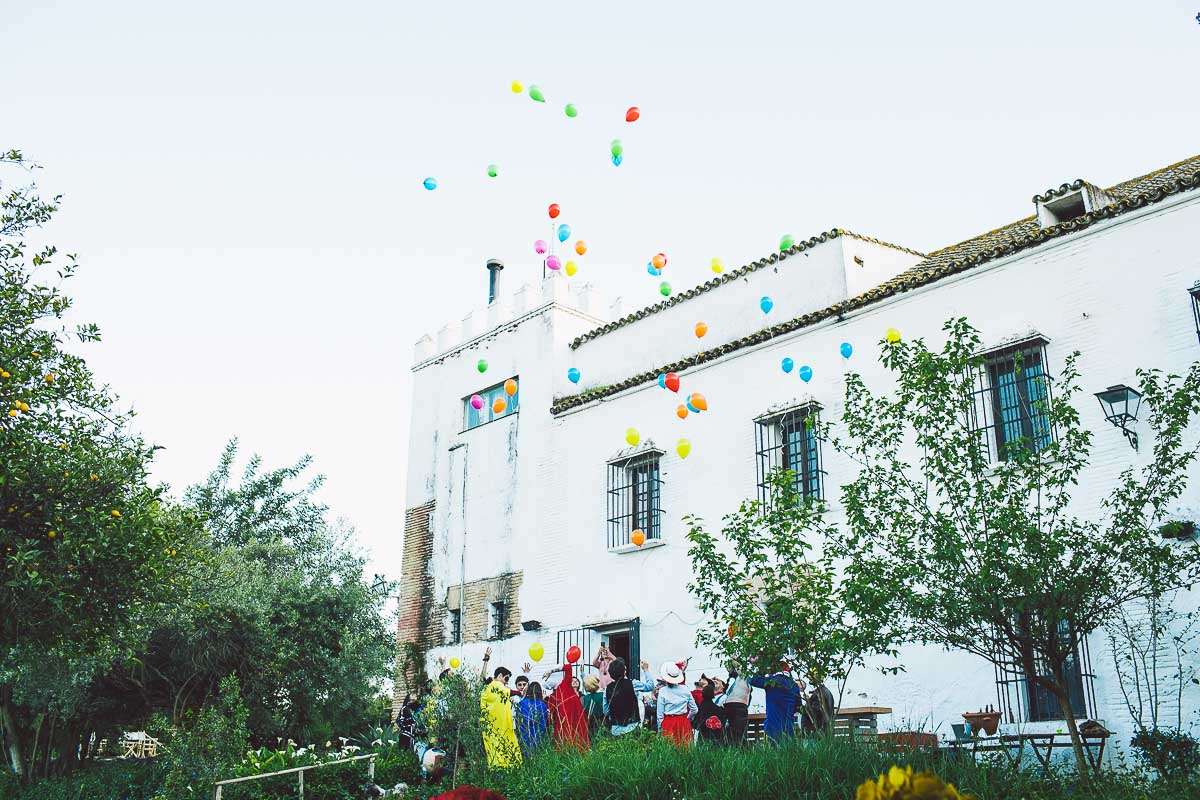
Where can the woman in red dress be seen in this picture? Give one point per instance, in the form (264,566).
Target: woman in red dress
(566,709)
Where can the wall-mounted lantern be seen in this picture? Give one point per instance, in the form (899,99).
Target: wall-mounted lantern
(1121,404)
(1195,293)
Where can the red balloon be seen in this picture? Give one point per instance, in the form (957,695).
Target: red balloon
(573,654)
(672,381)
(554,210)
(632,114)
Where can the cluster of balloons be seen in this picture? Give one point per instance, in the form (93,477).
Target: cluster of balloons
(669,380)
(562,233)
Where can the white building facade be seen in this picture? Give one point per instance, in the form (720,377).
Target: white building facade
(518,521)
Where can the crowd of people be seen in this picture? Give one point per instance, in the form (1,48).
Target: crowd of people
(562,709)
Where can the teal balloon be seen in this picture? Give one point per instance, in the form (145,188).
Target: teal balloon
(766,304)
(653,270)
(617,148)
(787,364)
(573,375)
(571,110)
(805,373)
(662,380)
(846,349)
(617,161)
(564,232)
(691,407)
(430,183)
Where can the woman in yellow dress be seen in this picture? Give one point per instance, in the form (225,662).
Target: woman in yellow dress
(499,733)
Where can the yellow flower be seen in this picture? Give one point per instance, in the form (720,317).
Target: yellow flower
(116,513)
(13,413)
(902,784)
(62,446)
(36,354)
(49,379)
(95,477)
(52,534)
(66,474)
(5,374)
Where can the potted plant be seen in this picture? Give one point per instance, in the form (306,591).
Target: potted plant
(1177,529)
(987,721)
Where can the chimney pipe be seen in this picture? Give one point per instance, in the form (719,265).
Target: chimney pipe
(494,266)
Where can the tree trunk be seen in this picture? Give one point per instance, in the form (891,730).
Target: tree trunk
(1064,703)
(14,734)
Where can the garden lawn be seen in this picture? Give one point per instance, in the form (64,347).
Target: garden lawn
(644,767)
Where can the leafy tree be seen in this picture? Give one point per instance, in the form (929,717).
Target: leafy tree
(88,549)
(992,557)
(777,598)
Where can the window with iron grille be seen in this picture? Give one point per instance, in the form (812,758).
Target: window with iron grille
(789,440)
(1022,699)
(1012,399)
(499,619)
(634,498)
(474,417)
(455,626)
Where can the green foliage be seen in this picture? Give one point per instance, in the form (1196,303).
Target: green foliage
(645,767)
(988,557)
(89,551)
(453,717)
(110,780)
(778,596)
(1173,754)
(208,747)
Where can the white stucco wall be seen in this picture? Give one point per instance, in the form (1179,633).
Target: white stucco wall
(535,488)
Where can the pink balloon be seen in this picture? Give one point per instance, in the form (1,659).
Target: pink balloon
(540,246)
(476,402)
(552,262)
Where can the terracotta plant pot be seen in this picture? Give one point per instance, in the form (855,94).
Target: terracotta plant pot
(986,721)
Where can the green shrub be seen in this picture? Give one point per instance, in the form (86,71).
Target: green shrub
(1172,754)
(107,780)
(209,748)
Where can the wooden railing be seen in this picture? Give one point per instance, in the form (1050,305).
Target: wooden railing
(220,785)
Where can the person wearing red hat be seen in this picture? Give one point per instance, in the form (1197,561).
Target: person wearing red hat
(676,706)
(566,709)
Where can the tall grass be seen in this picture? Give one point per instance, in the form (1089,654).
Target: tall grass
(645,767)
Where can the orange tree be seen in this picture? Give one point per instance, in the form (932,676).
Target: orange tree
(87,548)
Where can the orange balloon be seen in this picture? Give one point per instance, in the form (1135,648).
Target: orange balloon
(510,387)
(659,261)
(681,412)
(500,404)
(638,538)
(701,329)
(580,247)
(699,402)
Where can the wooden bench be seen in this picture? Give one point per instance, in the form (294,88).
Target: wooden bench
(859,721)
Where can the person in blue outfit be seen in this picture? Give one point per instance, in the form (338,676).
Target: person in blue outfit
(783,697)
(532,718)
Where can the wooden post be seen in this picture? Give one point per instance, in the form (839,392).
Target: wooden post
(301,774)
(371,770)
(217,796)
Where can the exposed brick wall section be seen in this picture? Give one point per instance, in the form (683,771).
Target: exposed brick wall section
(414,632)
(476,601)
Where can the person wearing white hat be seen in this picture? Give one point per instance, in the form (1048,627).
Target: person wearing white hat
(676,706)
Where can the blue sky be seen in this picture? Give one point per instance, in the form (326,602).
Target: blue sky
(242,181)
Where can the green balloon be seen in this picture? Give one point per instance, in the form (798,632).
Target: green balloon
(536,94)
(786,243)
(571,110)
(482,365)
(664,289)
(617,149)
(493,170)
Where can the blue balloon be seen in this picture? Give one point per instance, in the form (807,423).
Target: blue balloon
(564,232)
(652,269)
(573,375)
(766,305)
(617,161)
(691,407)
(846,349)
(430,183)
(787,364)
(805,373)
(662,380)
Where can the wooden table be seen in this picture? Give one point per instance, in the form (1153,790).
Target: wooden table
(1043,745)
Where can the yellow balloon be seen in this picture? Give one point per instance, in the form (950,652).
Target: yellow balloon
(683,448)
(571,268)
(893,335)
(536,651)
(717,266)
(454,662)
(517,87)
(632,436)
